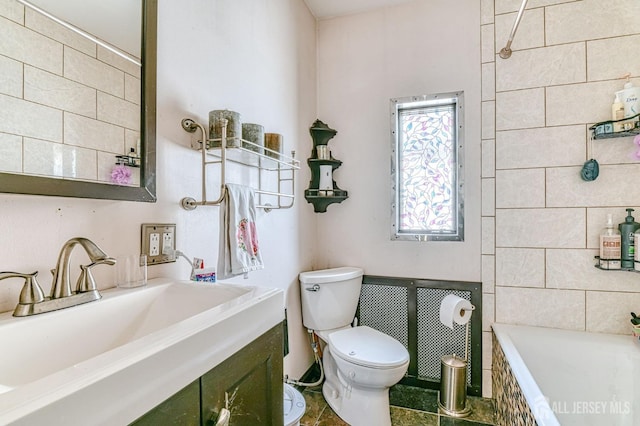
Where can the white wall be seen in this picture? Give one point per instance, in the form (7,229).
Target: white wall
(364,60)
(541,222)
(256,57)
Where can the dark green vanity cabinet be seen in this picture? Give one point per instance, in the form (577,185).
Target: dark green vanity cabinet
(182,409)
(250,380)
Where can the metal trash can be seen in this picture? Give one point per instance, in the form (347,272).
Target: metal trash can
(453,386)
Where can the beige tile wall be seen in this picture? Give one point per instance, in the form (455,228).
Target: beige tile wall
(67,106)
(541,231)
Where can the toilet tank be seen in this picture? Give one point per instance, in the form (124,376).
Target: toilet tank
(330,297)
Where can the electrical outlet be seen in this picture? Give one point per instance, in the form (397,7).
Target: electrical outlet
(154,244)
(159,242)
(167,243)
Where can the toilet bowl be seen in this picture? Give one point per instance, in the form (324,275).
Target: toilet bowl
(368,357)
(360,363)
(294,406)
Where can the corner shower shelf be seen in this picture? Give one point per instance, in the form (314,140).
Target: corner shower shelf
(604,130)
(597,265)
(248,154)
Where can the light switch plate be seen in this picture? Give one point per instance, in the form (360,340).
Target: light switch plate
(159,242)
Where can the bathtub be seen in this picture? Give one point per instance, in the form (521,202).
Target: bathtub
(559,377)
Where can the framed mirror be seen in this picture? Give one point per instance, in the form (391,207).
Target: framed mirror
(88,158)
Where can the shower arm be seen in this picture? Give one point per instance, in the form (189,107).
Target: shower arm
(505,52)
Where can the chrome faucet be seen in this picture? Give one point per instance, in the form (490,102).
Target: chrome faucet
(61,285)
(32,300)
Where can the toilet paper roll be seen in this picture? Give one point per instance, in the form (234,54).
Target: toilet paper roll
(455,309)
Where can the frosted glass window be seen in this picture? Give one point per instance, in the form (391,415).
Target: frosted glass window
(426,168)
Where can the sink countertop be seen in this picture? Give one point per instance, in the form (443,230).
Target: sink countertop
(166,345)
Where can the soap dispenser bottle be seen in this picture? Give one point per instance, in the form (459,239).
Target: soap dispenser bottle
(610,246)
(627,230)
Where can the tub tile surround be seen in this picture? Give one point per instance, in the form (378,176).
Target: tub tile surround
(531,26)
(542,307)
(509,184)
(506,6)
(489,273)
(511,407)
(539,147)
(488,197)
(487,11)
(488,158)
(540,238)
(539,67)
(59,90)
(488,119)
(488,43)
(510,262)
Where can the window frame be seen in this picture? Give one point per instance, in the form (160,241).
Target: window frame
(420,102)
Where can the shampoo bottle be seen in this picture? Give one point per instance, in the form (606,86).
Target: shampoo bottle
(610,246)
(627,230)
(636,255)
(630,98)
(617,113)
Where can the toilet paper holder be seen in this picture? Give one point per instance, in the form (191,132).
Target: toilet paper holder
(466,333)
(452,397)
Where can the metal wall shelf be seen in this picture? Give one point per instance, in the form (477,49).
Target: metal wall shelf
(248,154)
(599,265)
(604,130)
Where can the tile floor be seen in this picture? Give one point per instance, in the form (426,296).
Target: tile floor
(410,406)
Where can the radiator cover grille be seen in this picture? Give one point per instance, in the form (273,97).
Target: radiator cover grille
(435,339)
(385,308)
(409,311)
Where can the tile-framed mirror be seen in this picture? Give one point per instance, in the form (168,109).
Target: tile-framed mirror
(79,137)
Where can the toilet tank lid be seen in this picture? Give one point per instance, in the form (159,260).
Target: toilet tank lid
(330,275)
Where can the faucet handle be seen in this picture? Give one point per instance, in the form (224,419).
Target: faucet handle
(86,282)
(31,291)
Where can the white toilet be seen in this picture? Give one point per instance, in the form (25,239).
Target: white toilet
(360,363)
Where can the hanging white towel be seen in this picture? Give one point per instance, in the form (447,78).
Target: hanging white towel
(239,251)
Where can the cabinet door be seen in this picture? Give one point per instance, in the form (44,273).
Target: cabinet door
(182,409)
(251,380)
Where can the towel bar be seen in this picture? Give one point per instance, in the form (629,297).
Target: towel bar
(282,166)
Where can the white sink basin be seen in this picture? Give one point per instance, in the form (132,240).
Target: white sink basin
(110,361)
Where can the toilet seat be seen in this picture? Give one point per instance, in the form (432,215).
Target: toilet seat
(367,347)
